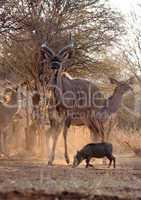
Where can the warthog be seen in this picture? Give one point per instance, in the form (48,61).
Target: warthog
(94,150)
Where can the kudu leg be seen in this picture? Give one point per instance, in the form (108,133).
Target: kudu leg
(65,131)
(48,137)
(111,125)
(102,132)
(55,131)
(2,143)
(94,136)
(94,129)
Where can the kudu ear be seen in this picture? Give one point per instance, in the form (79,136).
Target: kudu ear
(10,86)
(47,51)
(113,81)
(77,152)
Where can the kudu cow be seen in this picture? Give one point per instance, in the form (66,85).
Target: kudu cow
(107,114)
(74,101)
(8,108)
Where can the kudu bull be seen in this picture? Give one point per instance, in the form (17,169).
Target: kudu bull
(73,101)
(76,101)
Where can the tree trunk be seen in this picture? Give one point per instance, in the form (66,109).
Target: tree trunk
(30,130)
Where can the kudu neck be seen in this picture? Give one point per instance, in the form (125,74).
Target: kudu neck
(58,90)
(58,78)
(114,101)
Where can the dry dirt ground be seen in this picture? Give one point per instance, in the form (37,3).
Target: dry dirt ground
(35,180)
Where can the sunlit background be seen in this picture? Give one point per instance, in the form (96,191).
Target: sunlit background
(126,6)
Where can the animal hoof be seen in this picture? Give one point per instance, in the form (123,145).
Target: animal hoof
(67,160)
(49,163)
(90,165)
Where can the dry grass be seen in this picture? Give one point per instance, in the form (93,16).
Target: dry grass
(77,138)
(126,141)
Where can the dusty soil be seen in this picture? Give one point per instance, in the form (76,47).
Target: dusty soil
(26,180)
